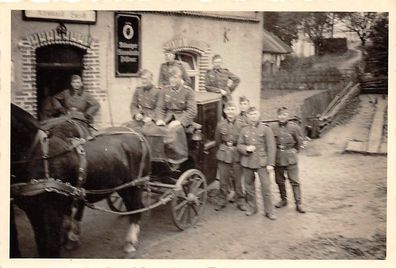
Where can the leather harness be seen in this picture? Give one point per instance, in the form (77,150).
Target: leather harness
(48,184)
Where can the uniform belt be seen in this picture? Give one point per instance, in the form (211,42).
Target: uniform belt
(229,143)
(283,147)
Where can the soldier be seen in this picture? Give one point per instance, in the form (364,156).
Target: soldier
(257,145)
(177,108)
(144,102)
(288,136)
(217,79)
(76,100)
(244,105)
(165,69)
(226,135)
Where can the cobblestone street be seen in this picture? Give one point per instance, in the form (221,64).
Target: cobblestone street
(344,195)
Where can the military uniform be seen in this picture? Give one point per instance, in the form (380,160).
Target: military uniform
(81,101)
(217,79)
(177,104)
(228,157)
(145,101)
(259,135)
(289,141)
(165,73)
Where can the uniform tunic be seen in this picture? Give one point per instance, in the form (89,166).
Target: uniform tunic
(226,136)
(145,101)
(289,140)
(165,74)
(259,135)
(242,119)
(218,78)
(70,100)
(177,103)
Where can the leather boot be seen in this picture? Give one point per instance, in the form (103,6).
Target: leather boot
(282,203)
(297,197)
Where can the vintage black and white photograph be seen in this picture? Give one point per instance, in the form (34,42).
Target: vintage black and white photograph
(149,134)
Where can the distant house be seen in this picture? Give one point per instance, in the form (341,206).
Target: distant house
(274,50)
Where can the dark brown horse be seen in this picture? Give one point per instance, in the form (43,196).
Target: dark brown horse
(111,160)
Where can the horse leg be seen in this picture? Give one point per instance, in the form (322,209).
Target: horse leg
(47,225)
(14,244)
(133,200)
(74,231)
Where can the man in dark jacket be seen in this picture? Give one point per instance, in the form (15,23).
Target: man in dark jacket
(289,141)
(76,100)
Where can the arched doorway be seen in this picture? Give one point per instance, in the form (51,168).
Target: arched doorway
(54,67)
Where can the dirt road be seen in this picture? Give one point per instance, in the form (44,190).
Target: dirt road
(344,195)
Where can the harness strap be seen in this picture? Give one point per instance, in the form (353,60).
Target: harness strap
(36,187)
(45,148)
(82,170)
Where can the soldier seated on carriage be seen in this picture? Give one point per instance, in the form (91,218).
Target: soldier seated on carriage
(75,101)
(176,111)
(143,107)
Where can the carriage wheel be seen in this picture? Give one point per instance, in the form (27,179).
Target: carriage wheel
(115,203)
(190,198)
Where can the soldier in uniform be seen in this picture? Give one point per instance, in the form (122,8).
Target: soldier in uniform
(256,143)
(76,100)
(217,79)
(226,136)
(144,102)
(167,66)
(244,105)
(177,109)
(289,141)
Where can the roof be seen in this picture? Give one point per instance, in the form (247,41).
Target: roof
(273,44)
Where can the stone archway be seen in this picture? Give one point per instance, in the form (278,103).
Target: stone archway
(27,96)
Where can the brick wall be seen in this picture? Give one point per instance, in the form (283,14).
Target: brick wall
(26,97)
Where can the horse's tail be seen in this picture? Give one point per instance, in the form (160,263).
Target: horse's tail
(144,162)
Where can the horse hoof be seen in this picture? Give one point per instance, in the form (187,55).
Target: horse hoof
(129,247)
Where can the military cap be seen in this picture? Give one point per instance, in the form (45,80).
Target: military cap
(282,110)
(243,98)
(252,109)
(169,50)
(217,56)
(74,77)
(229,104)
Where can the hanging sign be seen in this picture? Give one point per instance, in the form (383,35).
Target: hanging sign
(127,44)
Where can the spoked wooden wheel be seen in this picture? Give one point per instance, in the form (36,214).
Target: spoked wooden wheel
(115,203)
(190,198)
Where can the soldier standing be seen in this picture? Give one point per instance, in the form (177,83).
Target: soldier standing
(144,102)
(257,145)
(289,141)
(177,109)
(167,66)
(244,105)
(217,79)
(226,136)
(76,100)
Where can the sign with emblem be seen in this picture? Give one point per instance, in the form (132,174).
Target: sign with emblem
(127,44)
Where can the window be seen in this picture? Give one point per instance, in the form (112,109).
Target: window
(190,62)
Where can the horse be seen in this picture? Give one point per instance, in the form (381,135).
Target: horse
(111,161)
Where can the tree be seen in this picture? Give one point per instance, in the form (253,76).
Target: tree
(359,23)
(283,24)
(316,25)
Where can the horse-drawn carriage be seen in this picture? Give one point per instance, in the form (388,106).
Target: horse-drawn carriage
(184,186)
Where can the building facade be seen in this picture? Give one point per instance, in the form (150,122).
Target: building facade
(49,46)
